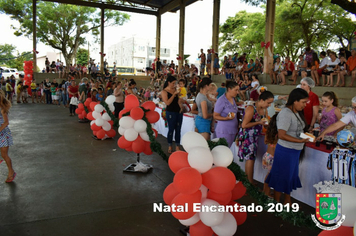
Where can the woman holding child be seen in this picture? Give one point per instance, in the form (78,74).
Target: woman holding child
(170,95)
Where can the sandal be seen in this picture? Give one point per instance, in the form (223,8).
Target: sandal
(9,180)
(169,149)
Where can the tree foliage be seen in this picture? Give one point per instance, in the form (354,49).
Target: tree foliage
(60,26)
(82,56)
(9,59)
(298,24)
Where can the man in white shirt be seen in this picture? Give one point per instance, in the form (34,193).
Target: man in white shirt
(349,117)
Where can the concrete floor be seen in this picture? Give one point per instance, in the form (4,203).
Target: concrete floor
(70,184)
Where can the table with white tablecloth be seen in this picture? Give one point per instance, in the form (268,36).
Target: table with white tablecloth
(312,170)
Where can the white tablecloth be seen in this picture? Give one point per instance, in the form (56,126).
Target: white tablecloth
(312,170)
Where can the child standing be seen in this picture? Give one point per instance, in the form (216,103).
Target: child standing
(34,91)
(5,136)
(271,139)
(53,94)
(147,94)
(19,89)
(331,113)
(24,94)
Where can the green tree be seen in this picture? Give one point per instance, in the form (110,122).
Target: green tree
(82,56)
(6,52)
(8,59)
(243,33)
(60,26)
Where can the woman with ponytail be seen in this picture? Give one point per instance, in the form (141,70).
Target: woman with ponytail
(5,136)
(203,121)
(170,97)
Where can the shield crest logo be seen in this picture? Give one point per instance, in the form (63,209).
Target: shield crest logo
(328,208)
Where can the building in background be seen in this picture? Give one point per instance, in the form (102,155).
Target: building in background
(139,53)
(52,56)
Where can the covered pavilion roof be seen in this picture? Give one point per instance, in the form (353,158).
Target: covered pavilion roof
(151,7)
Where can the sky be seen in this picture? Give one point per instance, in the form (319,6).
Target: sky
(198,28)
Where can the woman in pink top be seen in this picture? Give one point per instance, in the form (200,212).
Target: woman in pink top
(330,114)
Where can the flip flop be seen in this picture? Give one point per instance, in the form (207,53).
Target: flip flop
(169,150)
(12,179)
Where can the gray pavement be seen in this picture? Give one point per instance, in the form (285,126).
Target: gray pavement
(70,184)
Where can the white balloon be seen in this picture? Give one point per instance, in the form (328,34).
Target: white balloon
(92,122)
(122,131)
(140,126)
(106,117)
(228,226)
(211,217)
(106,126)
(348,206)
(99,108)
(215,140)
(131,134)
(96,115)
(111,107)
(204,191)
(126,122)
(99,122)
(110,99)
(191,221)
(192,139)
(200,159)
(222,156)
(145,136)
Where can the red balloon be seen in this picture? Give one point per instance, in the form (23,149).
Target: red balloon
(178,160)
(92,105)
(123,112)
(152,116)
(136,113)
(221,198)
(187,180)
(156,132)
(84,114)
(147,150)
(238,191)
(111,122)
(170,193)
(78,111)
(240,217)
(87,102)
(111,133)
(90,116)
(219,180)
(80,116)
(94,132)
(180,200)
(129,149)
(123,143)
(100,134)
(94,127)
(149,105)
(200,229)
(342,230)
(138,145)
(131,101)
(81,106)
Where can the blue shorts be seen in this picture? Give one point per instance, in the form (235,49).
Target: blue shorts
(289,73)
(203,125)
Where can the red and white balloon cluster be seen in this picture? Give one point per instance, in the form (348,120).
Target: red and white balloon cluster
(202,179)
(101,122)
(133,128)
(28,71)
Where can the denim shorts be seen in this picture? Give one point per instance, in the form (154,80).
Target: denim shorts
(203,125)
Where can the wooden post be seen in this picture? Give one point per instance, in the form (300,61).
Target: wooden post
(269,35)
(181,34)
(158,36)
(102,41)
(34,33)
(215,40)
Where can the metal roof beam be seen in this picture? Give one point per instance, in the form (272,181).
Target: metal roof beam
(105,6)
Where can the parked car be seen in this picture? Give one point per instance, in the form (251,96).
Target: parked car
(15,72)
(5,72)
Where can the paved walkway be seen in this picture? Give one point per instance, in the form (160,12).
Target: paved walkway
(70,184)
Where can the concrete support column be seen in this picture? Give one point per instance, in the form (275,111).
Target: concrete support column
(269,35)
(215,40)
(158,36)
(34,34)
(181,34)
(102,41)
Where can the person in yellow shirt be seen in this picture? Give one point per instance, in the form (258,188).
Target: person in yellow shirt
(19,89)
(9,90)
(34,91)
(182,94)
